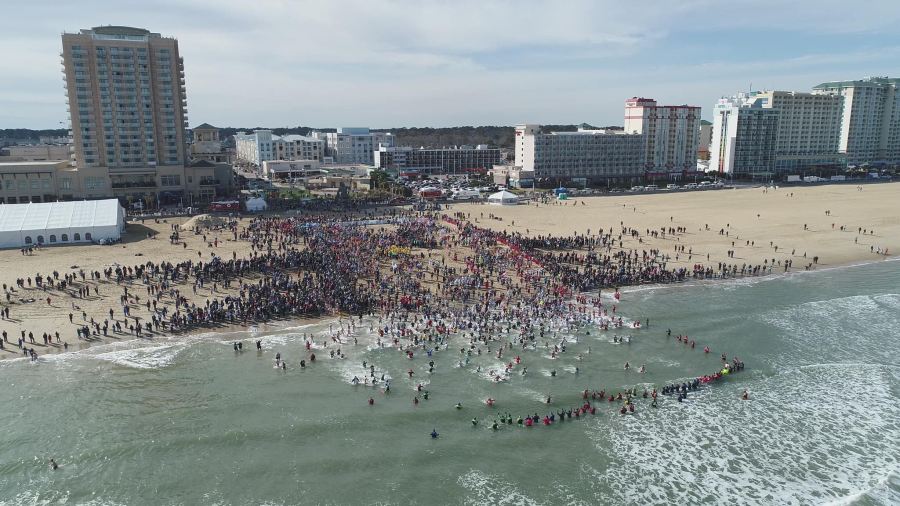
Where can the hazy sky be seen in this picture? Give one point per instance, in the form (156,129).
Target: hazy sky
(384,63)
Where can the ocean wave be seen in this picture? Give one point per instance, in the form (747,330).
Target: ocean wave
(779,447)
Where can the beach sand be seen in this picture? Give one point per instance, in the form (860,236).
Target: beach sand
(782,214)
(136,248)
(749,214)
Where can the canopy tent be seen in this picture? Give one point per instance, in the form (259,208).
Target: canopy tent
(503,198)
(256,204)
(60,222)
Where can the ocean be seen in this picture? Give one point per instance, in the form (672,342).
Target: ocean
(189,421)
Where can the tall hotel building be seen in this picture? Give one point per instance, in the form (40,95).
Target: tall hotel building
(671,135)
(769,133)
(870,119)
(127,107)
(744,137)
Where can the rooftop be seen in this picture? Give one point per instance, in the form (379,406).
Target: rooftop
(868,81)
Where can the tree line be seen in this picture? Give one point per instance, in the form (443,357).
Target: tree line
(494,136)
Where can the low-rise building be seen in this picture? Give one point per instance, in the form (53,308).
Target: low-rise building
(36,152)
(354,144)
(262,145)
(610,156)
(456,160)
(206,145)
(288,169)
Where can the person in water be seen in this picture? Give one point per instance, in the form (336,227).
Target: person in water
(434,434)
(53,465)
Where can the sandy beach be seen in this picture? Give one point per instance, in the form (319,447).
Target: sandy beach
(749,222)
(756,215)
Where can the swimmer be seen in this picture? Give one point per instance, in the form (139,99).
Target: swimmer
(53,465)
(458,405)
(434,434)
(745,396)
(474,421)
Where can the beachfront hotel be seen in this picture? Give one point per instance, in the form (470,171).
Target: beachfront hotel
(762,134)
(808,130)
(671,134)
(453,160)
(658,142)
(870,119)
(128,112)
(743,138)
(598,156)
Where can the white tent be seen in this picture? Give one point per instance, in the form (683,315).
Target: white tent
(256,204)
(503,198)
(60,222)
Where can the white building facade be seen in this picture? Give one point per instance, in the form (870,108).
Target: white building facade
(870,119)
(354,145)
(262,145)
(593,155)
(671,134)
(743,138)
(453,160)
(808,130)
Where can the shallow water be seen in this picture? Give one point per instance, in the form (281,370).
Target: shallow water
(189,421)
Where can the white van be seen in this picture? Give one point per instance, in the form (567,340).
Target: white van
(651,188)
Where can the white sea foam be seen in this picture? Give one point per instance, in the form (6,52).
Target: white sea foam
(486,489)
(154,357)
(841,328)
(780,447)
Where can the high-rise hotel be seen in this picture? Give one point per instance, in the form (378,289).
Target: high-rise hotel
(128,112)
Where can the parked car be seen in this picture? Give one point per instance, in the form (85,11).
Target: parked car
(671,187)
(651,188)
(637,189)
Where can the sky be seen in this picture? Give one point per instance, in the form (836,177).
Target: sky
(392,63)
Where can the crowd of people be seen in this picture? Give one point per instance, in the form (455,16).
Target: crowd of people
(427,282)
